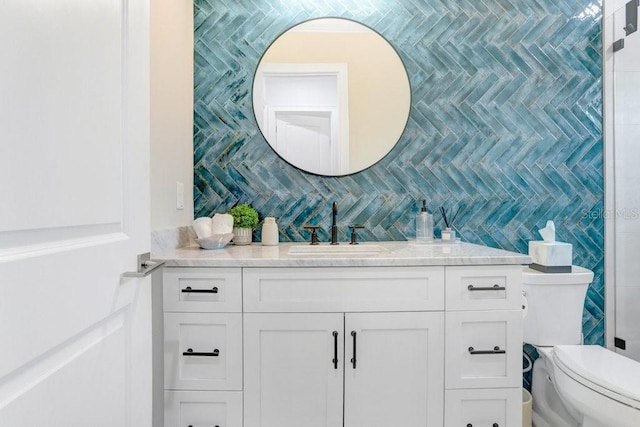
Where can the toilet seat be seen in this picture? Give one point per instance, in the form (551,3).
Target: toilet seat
(601,370)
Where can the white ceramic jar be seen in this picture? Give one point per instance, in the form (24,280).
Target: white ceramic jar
(270,232)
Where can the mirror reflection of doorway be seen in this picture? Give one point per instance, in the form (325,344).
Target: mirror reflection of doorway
(305,114)
(305,138)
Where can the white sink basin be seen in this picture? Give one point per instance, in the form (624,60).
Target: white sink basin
(342,249)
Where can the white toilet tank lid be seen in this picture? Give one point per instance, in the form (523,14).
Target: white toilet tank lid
(578,276)
(602,367)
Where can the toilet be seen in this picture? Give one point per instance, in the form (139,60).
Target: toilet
(574,385)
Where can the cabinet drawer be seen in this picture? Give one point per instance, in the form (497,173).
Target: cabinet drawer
(203,351)
(483,407)
(203,408)
(483,349)
(343,289)
(484,288)
(202,290)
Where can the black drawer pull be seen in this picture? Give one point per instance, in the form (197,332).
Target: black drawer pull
(353,359)
(188,290)
(496,350)
(219,426)
(471,425)
(190,352)
(486,288)
(335,350)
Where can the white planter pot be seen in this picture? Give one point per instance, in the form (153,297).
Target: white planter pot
(242,236)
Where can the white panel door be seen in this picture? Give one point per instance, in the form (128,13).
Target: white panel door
(293,370)
(396,378)
(304,139)
(74,147)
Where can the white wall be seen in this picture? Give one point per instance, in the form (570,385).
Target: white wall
(622,145)
(171,111)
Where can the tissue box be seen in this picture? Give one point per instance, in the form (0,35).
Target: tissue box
(551,257)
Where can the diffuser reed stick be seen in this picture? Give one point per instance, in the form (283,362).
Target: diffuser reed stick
(448,222)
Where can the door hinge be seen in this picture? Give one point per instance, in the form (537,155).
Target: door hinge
(618,45)
(631,21)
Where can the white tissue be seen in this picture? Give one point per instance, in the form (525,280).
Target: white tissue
(202,227)
(221,224)
(549,232)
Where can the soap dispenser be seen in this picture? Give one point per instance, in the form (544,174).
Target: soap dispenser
(424,224)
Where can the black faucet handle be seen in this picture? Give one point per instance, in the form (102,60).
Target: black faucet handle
(314,233)
(354,233)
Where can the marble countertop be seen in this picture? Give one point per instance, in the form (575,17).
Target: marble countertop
(386,254)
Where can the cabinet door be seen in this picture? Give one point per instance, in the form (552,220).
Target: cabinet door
(500,407)
(203,408)
(291,379)
(396,378)
(484,287)
(202,290)
(484,349)
(202,351)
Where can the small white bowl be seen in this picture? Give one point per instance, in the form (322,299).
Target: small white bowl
(216,241)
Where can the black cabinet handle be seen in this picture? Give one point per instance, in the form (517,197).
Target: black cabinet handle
(335,349)
(190,352)
(486,288)
(188,290)
(496,350)
(353,359)
(192,425)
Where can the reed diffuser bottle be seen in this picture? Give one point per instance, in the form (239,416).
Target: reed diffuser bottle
(448,234)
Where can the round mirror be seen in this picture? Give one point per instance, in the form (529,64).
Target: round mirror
(331,96)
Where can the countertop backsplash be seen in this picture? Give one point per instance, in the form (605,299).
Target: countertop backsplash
(172,238)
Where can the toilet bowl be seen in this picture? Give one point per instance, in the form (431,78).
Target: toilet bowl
(574,385)
(600,384)
(548,408)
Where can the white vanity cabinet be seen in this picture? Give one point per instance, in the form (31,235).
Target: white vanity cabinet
(328,346)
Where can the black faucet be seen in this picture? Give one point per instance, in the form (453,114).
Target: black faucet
(334,226)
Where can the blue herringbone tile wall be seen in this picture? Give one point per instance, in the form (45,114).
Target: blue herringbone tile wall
(506,121)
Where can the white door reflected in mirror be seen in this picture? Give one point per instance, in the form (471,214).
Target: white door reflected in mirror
(331,96)
(302,105)
(305,139)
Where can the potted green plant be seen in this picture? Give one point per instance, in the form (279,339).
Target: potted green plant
(245,220)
